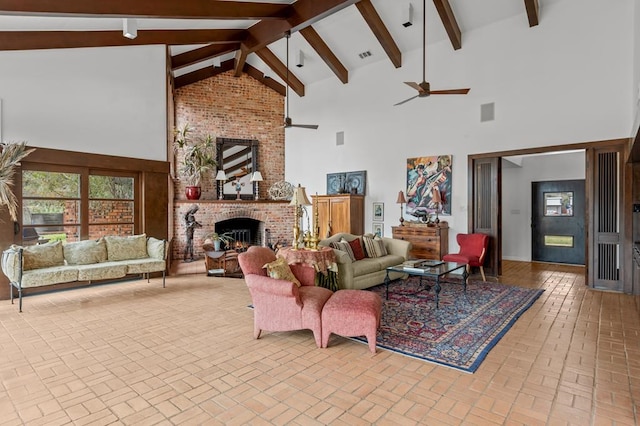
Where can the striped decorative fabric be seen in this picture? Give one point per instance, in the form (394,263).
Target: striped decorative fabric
(374,247)
(343,246)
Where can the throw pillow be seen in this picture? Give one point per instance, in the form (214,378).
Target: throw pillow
(345,247)
(280,270)
(155,248)
(126,248)
(43,256)
(85,252)
(356,248)
(374,247)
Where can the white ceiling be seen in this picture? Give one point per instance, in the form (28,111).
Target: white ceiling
(345,32)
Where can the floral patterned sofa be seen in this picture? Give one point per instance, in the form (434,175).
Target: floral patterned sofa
(107,258)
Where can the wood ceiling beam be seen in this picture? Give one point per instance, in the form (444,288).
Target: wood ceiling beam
(228,65)
(240,60)
(202,54)
(280,69)
(381,32)
(183,9)
(315,41)
(450,23)
(533,12)
(27,40)
(269,82)
(202,74)
(302,14)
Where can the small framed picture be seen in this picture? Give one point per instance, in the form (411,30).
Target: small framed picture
(378,211)
(378,229)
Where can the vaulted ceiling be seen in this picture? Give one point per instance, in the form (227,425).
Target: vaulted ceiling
(206,37)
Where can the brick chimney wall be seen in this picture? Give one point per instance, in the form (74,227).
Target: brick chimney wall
(233,107)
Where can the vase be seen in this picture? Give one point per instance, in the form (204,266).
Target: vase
(193,192)
(216,245)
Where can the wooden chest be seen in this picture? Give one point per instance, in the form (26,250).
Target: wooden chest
(427,242)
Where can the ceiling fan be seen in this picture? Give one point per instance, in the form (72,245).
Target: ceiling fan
(424,88)
(287,121)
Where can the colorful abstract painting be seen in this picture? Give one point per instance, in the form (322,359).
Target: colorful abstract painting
(429,178)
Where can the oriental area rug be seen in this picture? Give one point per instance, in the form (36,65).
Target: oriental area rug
(461,332)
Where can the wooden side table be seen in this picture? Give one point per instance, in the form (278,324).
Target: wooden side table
(215,262)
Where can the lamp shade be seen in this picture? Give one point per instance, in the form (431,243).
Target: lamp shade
(221,175)
(256,177)
(300,197)
(435,195)
(401,199)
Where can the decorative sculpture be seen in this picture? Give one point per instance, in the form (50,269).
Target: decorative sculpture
(191,224)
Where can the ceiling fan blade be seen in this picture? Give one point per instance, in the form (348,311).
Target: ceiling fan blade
(450,92)
(305,126)
(406,100)
(288,123)
(414,86)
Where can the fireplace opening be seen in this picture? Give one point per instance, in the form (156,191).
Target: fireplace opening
(244,231)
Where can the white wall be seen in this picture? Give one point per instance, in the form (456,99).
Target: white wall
(106,101)
(516,199)
(635,89)
(565,81)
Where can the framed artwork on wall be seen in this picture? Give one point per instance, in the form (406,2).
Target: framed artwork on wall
(347,183)
(429,186)
(378,211)
(378,229)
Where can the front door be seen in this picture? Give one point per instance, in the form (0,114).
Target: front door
(557,222)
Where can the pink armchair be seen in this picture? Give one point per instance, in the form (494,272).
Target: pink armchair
(281,305)
(473,249)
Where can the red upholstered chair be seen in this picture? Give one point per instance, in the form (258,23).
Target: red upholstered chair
(280,305)
(473,249)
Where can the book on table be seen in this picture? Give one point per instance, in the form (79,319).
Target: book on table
(420,265)
(412,262)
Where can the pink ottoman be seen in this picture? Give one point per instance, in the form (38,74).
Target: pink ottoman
(352,313)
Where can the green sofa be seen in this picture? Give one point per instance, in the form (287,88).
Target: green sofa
(367,272)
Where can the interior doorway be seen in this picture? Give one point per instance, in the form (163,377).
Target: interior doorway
(608,187)
(557,221)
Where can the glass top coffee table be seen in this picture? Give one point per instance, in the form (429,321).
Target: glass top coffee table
(431,269)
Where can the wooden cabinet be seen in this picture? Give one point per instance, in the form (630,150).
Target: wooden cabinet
(427,242)
(339,213)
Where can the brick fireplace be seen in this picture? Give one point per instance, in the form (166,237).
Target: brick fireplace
(269,222)
(234,107)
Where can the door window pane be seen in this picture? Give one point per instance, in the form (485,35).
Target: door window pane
(558,204)
(558,240)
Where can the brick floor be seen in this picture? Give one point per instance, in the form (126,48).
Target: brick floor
(137,353)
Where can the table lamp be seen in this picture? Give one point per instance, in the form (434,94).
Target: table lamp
(436,197)
(256,177)
(299,199)
(221,177)
(401,200)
